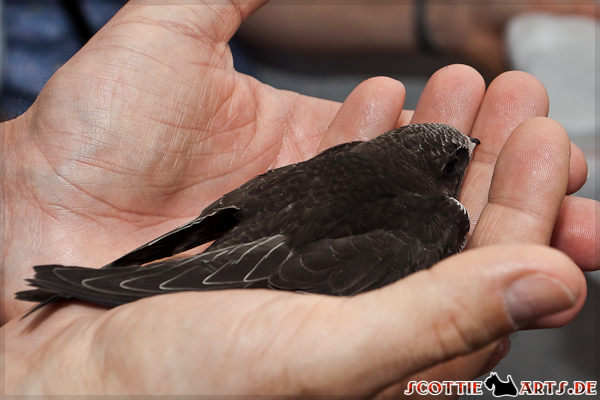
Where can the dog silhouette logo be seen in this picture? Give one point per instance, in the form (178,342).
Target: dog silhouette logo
(500,388)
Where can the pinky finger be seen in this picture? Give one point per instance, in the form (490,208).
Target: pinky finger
(578,170)
(577,230)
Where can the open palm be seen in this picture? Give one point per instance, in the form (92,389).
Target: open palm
(150,122)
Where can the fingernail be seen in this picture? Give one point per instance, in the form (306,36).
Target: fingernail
(535,296)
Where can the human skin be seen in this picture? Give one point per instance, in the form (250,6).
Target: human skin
(471,30)
(149,123)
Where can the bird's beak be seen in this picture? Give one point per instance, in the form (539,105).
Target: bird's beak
(474,142)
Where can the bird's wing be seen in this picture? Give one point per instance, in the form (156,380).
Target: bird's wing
(239,266)
(344,263)
(340,148)
(205,228)
(459,217)
(406,234)
(350,265)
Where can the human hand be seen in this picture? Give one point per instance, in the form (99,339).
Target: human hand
(476,31)
(472,30)
(119,149)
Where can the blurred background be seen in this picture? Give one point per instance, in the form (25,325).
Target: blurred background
(327,50)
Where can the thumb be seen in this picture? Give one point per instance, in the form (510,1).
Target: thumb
(458,306)
(197,19)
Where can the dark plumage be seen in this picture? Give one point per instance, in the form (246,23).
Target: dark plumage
(354,218)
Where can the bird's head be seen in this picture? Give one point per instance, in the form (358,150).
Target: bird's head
(435,157)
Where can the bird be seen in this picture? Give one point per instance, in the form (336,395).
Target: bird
(354,218)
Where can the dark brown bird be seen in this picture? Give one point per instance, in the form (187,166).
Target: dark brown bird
(354,218)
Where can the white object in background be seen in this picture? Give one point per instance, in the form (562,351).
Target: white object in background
(561,52)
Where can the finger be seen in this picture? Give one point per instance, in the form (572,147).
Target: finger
(578,170)
(512,98)
(373,107)
(498,351)
(459,306)
(577,230)
(528,186)
(461,368)
(222,18)
(452,96)
(405,118)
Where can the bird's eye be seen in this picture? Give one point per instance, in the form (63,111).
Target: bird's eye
(450,167)
(454,164)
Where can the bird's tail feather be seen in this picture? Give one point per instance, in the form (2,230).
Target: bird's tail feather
(27,295)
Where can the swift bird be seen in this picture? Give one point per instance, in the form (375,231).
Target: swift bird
(354,218)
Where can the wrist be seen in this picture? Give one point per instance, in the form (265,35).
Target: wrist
(444,25)
(464,31)
(422,30)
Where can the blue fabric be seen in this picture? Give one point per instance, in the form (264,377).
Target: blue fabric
(41,36)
